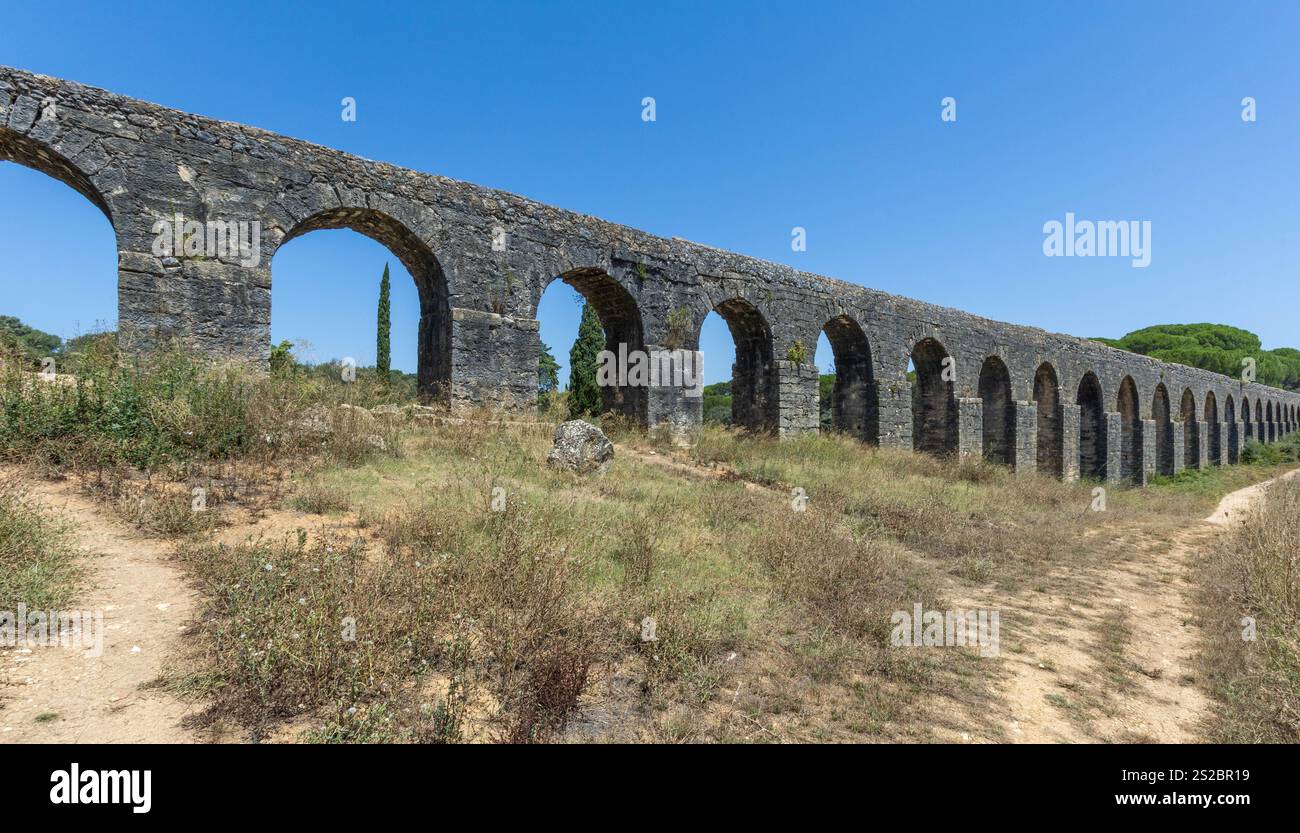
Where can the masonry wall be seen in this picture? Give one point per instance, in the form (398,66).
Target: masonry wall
(481,259)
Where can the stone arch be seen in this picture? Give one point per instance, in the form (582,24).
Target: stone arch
(855,405)
(1234,437)
(1092,428)
(433,371)
(1270,432)
(1047,393)
(20,149)
(1191,433)
(754,403)
(1247,428)
(1130,419)
(38,156)
(999,443)
(934,402)
(620,318)
(1160,413)
(1210,424)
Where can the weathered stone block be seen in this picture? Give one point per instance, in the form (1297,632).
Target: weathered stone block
(797,387)
(1114,448)
(895,414)
(1070,443)
(482,374)
(970,427)
(1150,441)
(1026,458)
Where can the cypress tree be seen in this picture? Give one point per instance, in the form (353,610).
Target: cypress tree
(548,371)
(383,358)
(584,393)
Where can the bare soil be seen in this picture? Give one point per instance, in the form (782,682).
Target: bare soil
(64,695)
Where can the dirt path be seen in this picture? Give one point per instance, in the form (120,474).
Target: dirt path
(1110,655)
(1106,654)
(1233,506)
(62,695)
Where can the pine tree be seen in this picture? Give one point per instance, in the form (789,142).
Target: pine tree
(584,393)
(383,342)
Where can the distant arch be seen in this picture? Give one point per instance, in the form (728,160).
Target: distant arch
(620,318)
(1191,432)
(1160,413)
(855,404)
(1130,417)
(433,364)
(1234,437)
(999,444)
(754,402)
(1047,395)
(1092,428)
(934,402)
(1247,428)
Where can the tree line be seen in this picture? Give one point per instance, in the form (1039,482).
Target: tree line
(1215,347)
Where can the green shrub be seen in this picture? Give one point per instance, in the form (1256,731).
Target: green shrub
(171,408)
(1257,453)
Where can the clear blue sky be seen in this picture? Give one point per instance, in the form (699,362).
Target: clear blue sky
(770,116)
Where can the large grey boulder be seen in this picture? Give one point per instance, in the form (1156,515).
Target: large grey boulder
(582,448)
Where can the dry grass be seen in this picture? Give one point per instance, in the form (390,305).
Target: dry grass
(39,566)
(351,626)
(529,624)
(537,612)
(985,523)
(1253,573)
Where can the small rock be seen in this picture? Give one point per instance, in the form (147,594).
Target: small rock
(421,413)
(315,421)
(582,448)
(350,417)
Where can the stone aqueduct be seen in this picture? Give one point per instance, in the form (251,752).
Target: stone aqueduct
(1017,395)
